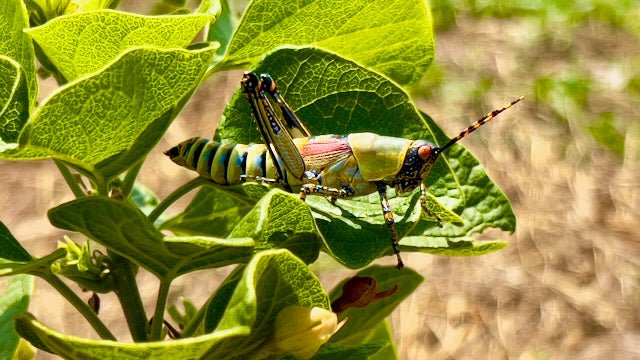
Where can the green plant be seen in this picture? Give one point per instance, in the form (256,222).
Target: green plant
(125,77)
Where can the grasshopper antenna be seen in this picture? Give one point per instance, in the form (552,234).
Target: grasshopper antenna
(483,120)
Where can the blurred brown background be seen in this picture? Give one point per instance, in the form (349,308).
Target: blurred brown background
(568,158)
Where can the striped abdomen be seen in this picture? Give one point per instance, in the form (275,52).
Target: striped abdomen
(337,161)
(224,163)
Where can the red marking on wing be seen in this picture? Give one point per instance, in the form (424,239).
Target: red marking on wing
(318,153)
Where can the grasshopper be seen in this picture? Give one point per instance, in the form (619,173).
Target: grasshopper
(336,166)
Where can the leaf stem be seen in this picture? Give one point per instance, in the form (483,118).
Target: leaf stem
(69,178)
(129,296)
(174,196)
(101,186)
(130,178)
(79,304)
(158,315)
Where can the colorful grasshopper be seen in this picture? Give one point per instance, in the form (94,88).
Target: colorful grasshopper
(336,166)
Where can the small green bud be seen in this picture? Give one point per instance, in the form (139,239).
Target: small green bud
(300,331)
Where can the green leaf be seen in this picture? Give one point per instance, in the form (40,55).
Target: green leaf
(457,247)
(363,320)
(83,43)
(14,300)
(214,211)
(394,37)
(17,45)
(14,100)
(336,96)
(272,280)
(10,248)
(105,123)
(382,334)
(377,345)
(126,231)
(71,347)
(354,231)
(218,302)
(281,220)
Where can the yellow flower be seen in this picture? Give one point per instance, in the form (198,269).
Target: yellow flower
(300,331)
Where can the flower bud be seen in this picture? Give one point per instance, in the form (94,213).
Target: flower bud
(300,331)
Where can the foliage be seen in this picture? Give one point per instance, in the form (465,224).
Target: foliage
(124,77)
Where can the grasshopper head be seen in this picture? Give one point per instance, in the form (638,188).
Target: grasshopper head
(416,166)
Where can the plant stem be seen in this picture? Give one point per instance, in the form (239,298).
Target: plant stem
(174,196)
(80,305)
(129,296)
(158,315)
(130,178)
(69,178)
(101,186)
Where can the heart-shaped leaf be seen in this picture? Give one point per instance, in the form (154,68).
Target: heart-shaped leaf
(272,280)
(84,42)
(336,96)
(281,220)
(395,37)
(126,231)
(106,122)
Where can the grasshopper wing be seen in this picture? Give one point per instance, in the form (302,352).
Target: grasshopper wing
(277,135)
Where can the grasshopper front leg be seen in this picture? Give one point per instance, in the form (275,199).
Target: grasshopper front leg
(388,219)
(423,202)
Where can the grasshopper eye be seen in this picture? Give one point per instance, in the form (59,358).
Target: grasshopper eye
(425,152)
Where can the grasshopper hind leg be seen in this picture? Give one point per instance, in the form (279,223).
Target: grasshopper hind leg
(391,223)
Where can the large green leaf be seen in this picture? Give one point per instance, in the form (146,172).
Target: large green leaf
(15,44)
(106,122)
(126,231)
(71,347)
(14,300)
(82,43)
(393,37)
(362,321)
(281,220)
(218,302)
(14,101)
(214,211)
(272,280)
(336,96)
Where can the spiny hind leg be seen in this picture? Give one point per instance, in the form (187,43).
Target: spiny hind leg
(389,220)
(425,206)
